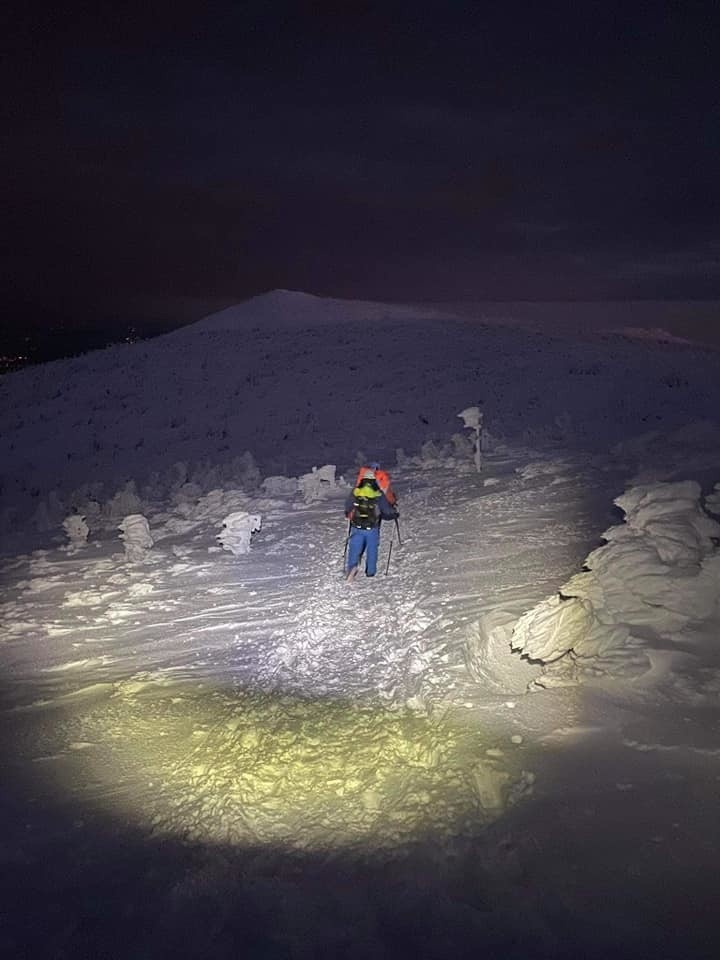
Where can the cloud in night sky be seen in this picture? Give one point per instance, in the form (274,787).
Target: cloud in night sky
(399,151)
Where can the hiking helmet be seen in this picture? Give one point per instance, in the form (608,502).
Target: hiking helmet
(375,466)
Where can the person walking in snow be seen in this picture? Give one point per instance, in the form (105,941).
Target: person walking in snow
(366,506)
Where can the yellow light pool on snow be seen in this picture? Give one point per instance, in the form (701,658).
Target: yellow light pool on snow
(212,765)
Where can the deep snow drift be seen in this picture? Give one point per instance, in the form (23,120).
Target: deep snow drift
(213,745)
(656,574)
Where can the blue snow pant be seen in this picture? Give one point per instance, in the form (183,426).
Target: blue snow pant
(367,542)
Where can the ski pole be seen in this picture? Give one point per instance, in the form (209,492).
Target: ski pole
(397,527)
(347,540)
(387,565)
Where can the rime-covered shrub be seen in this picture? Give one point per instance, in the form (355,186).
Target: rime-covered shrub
(245,471)
(205,476)
(77,531)
(135,533)
(216,504)
(463,447)
(154,488)
(319,484)
(280,486)
(431,451)
(176,476)
(656,573)
(237,530)
(49,513)
(188,493)
(126,501)
(87,499)
(712,501)
(89,509)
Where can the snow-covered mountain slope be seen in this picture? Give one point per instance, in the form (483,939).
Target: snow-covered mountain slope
(197,737)
(208,751)
(299,381)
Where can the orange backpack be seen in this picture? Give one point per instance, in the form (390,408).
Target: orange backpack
(383,481)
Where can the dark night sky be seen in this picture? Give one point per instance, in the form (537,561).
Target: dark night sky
(161,164)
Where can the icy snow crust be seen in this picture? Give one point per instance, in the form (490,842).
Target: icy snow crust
(211,754)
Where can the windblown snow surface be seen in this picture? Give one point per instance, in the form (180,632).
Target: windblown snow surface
(506,744)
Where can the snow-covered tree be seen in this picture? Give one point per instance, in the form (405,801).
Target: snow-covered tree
(319,484)
(246,471)
(656,572)
(77,531)
(126,501)
(712,501)
(237,529)
(135,533)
